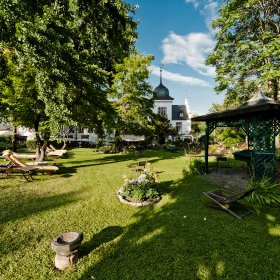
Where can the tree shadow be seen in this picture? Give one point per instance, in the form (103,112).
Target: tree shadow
(21,205)
(111,158)
(183,239)
(105,235)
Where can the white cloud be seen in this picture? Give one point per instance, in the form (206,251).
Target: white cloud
(210,11)
(208,8)
(194,2)
(176,77)
(190,49)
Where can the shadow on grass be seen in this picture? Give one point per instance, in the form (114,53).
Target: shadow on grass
(105,235)
(18,205)
(67,172)
(111,158)
(183,239)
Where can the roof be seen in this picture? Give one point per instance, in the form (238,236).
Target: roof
(259,105)
(177,110)
(162,93)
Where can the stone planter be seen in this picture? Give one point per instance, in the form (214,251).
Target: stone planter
(138,204)
(66,247)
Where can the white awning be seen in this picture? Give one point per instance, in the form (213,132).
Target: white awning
(133,138)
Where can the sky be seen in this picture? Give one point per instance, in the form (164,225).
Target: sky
(178,34)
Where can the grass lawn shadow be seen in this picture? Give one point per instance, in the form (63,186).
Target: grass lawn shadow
(105,235)
(183,239)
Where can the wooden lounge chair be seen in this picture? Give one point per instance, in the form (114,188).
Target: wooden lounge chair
(55,149)
(228,200)
(10,167)
(5,169)
(8,154)
(51,149)
(26,156)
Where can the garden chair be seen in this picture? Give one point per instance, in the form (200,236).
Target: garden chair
(222,163)
(11,167)
(26,156)
(228,200)
(5,169)
(140,166)
(51,148)
(28,169)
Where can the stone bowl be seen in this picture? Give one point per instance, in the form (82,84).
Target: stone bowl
(65,243)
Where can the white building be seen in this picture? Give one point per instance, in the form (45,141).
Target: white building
(178,115)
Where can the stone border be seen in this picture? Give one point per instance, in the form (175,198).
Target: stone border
(138,204)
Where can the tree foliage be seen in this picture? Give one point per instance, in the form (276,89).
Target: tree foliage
(63,52)
(247,51)
(162,128)
(132,95)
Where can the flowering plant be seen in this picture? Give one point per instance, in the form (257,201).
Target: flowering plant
(142,188)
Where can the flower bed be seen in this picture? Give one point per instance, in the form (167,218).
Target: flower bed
(141,191)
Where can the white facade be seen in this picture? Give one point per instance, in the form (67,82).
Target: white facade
(178,115)
(163,104)
(186,124)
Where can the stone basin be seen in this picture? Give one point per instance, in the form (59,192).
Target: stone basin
(65,243)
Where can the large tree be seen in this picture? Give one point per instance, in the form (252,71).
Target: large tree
(71,47)
(247,51)
(132,96)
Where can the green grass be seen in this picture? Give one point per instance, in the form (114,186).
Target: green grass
(178,238)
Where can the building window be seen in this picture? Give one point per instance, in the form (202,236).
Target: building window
(179,127)
(181,114)
(162,111)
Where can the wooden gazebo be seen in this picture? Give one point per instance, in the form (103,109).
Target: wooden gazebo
(259,117)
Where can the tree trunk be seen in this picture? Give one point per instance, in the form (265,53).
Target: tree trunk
(44,146)
(277,142)
(38,146)
(118,141)
(14,141)
(64,144)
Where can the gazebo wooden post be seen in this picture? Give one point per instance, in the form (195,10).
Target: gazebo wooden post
(210,126)
(206,147)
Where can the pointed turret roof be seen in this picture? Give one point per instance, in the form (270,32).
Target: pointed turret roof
(162,92)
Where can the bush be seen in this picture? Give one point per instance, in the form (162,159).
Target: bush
(265,194)
(31,144)
(106,149)
(193,148)
(6,142)
(195,167)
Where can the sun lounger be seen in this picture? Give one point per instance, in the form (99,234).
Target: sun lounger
(228,201)
(8,154)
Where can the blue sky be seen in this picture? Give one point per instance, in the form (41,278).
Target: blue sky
(178,34)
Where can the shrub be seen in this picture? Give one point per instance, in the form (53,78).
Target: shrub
(265,194)
(195,167)
(5,142)
(193,148)
(31,144)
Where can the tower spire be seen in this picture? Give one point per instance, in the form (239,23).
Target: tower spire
(161,73)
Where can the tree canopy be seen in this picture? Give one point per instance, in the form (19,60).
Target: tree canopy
(247,51)
(132,95)
(71,47)
(57,58)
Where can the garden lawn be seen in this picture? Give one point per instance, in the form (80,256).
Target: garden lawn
(177,238)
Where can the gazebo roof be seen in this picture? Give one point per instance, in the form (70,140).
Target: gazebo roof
(259,105)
